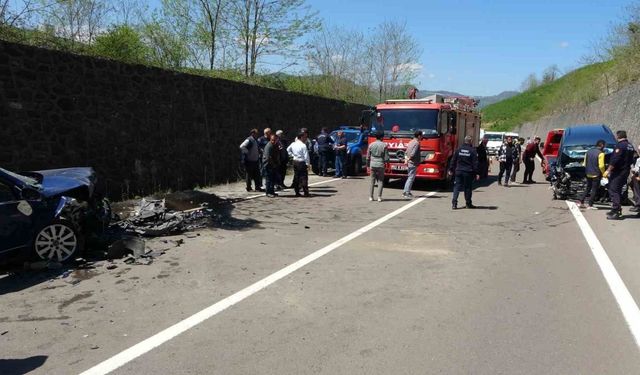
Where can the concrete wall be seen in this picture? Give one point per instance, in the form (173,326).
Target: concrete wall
(143,129)
(620,111)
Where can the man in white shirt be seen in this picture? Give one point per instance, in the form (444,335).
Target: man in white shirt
(301,162)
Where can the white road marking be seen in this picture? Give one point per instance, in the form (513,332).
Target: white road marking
(286,190)
(622,295)
(167,334)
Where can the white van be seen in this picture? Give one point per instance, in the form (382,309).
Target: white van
(494,142)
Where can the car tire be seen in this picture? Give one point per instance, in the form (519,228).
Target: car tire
(58,241)
(356,166)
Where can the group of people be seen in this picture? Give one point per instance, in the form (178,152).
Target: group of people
(267,157)
(512,153)
(623,163)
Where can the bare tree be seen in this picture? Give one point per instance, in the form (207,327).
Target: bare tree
(76,20)
(550,74)
(394,54)
(269,27)
(18,13)
(337,54)
(531,82)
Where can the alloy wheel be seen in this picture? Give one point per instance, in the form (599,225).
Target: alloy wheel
(57,242)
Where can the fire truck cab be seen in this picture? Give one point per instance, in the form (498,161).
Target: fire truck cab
(444,122)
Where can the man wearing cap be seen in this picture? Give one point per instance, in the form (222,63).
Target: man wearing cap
(618,172)
(464,166)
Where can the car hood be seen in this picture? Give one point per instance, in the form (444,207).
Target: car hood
(59,181)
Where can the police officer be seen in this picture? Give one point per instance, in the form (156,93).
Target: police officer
(325,146)
(464,166)
(618,172)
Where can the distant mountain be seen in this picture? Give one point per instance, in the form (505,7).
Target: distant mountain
(488,100)
(425,93)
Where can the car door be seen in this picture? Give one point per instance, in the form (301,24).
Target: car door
(15,220)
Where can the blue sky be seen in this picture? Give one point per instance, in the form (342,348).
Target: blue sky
(483,47)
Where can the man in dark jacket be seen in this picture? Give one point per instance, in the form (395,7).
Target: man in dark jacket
(594,169)
(618,172)
(528,156)
(464,166)
(507,155)
(483,158)
(271,163)
(283,143)
(325,146)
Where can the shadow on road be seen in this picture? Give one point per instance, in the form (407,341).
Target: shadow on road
(21,366)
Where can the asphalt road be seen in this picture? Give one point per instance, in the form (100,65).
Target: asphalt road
(510,288)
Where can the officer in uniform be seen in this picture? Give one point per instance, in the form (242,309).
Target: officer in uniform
(618,172)
(464,166)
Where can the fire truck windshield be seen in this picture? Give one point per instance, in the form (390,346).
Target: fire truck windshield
(402,122)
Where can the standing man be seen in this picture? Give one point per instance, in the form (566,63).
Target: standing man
(594,168)
(516,163)
(324,143)
(250,157)
(300,154)
(412,160)
(340,149)
(506,156)
(464,166)
(483,158)
(528,156)
(271,162)
(635,186)
(618,172)
(377,156)
(283,143)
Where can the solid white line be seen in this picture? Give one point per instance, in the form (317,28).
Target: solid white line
(160,338)
(622,295)
(287,190)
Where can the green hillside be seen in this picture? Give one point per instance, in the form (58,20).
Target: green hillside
(579,87)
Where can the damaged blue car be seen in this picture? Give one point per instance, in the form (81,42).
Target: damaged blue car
(49,214)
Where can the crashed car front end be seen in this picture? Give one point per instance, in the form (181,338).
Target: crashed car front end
(53,213)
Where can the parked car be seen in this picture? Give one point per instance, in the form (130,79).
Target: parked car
(47,214)
(567,171)
(356,150)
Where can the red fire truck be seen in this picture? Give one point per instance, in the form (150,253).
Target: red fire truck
(444,122)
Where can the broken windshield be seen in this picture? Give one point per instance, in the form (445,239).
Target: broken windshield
(407,121)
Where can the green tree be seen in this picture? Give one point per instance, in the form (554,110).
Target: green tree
(122,43)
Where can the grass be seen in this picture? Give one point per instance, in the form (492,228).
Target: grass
(580,87)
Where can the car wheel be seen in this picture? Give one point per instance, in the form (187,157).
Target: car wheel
(58,241)
(357,165)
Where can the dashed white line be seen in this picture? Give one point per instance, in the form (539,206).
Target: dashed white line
(620,292)
(160,338)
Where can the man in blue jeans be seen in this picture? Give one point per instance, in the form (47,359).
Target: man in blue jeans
(412,160)
(340,148)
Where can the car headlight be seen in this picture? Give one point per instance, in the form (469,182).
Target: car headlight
(427,155)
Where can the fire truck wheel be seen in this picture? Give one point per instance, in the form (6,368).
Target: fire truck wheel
(385,182)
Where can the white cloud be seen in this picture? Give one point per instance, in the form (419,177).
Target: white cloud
(564,44)
(431,76)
